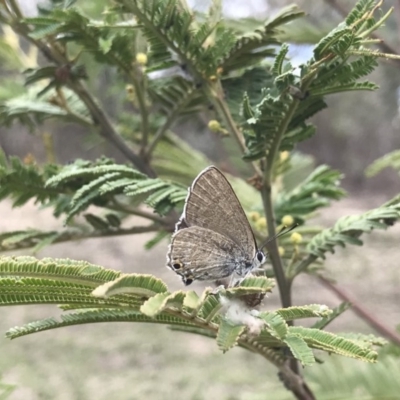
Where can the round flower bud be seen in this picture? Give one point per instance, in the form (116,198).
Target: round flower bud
(287,220)
(141,58)
(261,224)
(284,155)
(214,126)
(254,216)
(296,238)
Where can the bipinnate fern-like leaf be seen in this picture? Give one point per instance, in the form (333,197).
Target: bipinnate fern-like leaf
(17,291)
(348,229)
(79,272)
(300,350)
(358,11)
(316,191)
(137,284)
(87,171)
(177,97)
(192,300)
(345,379)
(90,316)
(363,339)
(390,160)
(251,47)
(23,181)
(333,314)
(279,120)
(158,303)
(93,294)
(29,238)
(277,68)
(299,312)
(277,326)
(210,308)
(331,343)
(228,334)
(97,184)
(30,110)
(250,285)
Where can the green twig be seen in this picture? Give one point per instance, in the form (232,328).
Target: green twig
(266,192)
(141,101)
(223,110)
(140,213)
(171,118)
(69,236)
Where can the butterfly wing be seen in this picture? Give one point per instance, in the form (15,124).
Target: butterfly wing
(203,254)
(212,204)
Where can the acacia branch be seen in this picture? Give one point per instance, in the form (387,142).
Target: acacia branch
(99,117)
(74,235)
(385,47)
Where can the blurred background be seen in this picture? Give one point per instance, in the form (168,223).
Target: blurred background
(126,361)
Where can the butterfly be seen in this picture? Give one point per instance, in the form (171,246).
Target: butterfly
(213,239)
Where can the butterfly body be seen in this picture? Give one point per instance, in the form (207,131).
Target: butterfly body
(213,239)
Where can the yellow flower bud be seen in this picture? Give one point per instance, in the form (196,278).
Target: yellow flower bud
(284,155)
(129,89)
(254,216)
(214,126)
(141,58)
(29,159)
(296,238)
(287,220)
(261,224)
(281,251)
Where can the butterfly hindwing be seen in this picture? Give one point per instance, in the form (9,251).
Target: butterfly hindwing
(202,254)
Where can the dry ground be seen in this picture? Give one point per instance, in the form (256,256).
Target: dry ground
(133,361)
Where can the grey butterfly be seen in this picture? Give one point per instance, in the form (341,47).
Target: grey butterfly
(213,239)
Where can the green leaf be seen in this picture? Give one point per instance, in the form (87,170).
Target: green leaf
(162,301)
(326,44)
(336,312)
(82,169)
(92,316)
(16,291)
(390,160)
(228,335)
(316,191)
(250,285)
(333,343)
(349,228)
(137,284)
(309,311)
(300,350)
(192,300)
(253,47)
(277,325)
(209,307)
(80,272)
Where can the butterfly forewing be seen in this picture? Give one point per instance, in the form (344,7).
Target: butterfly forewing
(212,204)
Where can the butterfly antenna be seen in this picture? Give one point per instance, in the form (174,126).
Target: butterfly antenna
(283,231)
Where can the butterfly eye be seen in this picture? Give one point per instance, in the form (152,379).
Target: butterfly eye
(260,256)
(177,265)
(187,280)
